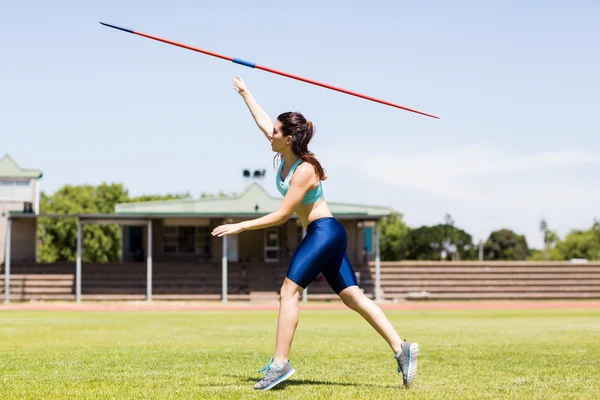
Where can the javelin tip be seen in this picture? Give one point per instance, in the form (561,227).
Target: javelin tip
(118,27)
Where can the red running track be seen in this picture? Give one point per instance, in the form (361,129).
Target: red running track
(274,306)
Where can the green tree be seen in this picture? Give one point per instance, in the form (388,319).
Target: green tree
(58,236)
(596,230)
(505,244)
(546,255)
(439,242)
(393,231)
(550,239)
(175,196)
(220,194)
(580,244)
(101,243)
(158,197)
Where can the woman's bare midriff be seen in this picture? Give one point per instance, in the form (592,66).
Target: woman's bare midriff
(312,212)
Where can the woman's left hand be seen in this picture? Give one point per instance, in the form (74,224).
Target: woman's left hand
(227,229)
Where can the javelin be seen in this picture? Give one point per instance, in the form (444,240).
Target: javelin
(274,71)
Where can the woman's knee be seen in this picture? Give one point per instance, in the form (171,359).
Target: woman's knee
(290,290)
(352,297)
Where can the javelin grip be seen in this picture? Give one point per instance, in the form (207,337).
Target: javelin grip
(244,62)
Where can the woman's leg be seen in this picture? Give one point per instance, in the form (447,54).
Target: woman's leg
(312,254)
(279,368)
(340,276)
(288,319)
(356,300)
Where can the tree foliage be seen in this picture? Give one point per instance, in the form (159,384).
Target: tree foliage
(550,238)
(505,244)
(100,243)
(158,197)
(393,232)
(439,242)
(584,244)
(580,244)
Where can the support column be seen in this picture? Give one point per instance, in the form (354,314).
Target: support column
(377,264)
(122,229)
(149,262)
(305,291)
(78,264)
(7,263)
(224,271)
(36,211)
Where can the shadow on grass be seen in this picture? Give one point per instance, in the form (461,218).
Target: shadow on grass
(312,382)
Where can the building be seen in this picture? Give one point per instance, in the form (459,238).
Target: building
(19,191)
(181,229)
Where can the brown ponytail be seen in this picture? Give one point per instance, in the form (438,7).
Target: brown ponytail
(302,131)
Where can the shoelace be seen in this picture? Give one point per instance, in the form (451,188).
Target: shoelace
(266,368)
(400,359)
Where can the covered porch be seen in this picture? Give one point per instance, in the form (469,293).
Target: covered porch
(246,265)
(167,247)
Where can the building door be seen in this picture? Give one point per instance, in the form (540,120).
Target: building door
(135,242)
(272,245)
(367,243)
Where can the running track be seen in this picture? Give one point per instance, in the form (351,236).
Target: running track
(273,306)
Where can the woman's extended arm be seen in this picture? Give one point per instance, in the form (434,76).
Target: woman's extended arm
(260,116)
(300,184)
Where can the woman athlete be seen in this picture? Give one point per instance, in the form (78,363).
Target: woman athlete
(323,249)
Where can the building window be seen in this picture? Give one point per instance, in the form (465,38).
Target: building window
(272,246)
(187,240)
(15,190)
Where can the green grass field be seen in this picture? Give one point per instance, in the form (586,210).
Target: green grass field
(484,354)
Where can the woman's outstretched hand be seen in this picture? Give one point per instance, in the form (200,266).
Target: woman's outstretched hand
(227,229)
(239,85)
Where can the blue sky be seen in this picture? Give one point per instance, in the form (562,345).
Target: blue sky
(516,85)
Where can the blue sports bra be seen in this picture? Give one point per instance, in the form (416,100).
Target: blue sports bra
(311,196)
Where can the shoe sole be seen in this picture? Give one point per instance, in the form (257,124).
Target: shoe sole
(281,379)
(413,353)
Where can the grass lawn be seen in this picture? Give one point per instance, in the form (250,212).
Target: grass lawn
(482,354)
